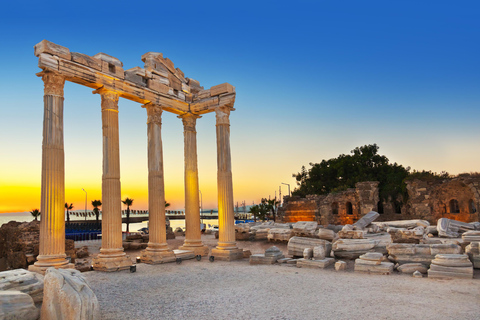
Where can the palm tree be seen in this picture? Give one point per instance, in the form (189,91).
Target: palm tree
(167,204)
(68,207)
(128,202)
(35,213)
(96,204)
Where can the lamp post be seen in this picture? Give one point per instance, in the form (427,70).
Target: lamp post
(85,203)
(288,187)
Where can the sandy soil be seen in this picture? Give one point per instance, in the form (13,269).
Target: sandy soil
(236,290)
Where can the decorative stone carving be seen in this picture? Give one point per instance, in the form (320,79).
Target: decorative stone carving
(154,114)
(68,296)
(189,121)
(53,83)
(109,100)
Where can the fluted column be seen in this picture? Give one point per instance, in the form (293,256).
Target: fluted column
(52,207)
(192,205)
(157,250)
(226,248)
(111,257)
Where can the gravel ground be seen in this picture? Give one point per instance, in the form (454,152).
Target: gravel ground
(236,290)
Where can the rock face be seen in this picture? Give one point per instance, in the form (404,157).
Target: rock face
(451,266)
(68,296)
(17,240)
(24,281)
(297,245)
(371,262)
(17,305)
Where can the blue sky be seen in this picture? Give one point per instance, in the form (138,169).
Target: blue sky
(314,79)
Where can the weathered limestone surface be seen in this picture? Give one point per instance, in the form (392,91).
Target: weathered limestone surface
(18,242)
(17,305)
(340,266)
(410,268)
(352,248)
(271,256)
(279,234)
(366,220)
(402,224)
(68,296)
(305,228)
(471,236)
(451,266)
(419,253)
(371,262)
(297,245)
(402,235)
(326,234)
(184,254)
(452,228)
(473,252)
(348,232)
(308,263)
(24,281)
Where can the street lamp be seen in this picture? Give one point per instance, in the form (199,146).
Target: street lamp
(288,187)
(85,203)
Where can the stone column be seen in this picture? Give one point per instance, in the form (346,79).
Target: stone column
(193,240)
(157,250)
(111,256)
(52,207)
(226,248)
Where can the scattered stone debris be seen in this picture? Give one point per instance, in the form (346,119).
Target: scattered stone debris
(340,266)
(371,262)
(473,251)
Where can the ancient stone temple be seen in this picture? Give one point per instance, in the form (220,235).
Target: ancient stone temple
(456,199)
(157,87)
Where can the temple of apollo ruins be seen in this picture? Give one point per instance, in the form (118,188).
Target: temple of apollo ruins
(157,87)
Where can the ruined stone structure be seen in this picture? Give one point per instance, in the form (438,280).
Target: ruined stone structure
(457,199)
(158,87)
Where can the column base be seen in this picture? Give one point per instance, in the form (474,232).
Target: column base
(153,256)
(111,262)
(196,246)
(44,262)
(227,255)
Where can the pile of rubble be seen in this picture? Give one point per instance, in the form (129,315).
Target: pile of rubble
(407,246)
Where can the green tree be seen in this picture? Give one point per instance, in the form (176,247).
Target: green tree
(167,204)
(271,206)
(35,213)
(128,202)
(364,164)
(96,204)
(68,207)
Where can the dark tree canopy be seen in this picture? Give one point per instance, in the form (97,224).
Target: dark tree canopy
(343,172)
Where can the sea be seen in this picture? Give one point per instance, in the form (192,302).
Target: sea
(27,217)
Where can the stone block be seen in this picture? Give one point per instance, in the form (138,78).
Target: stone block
(262,259)
(410,268)
(221,88)
(340,266)
(82,265)
(382,268)
(17,305)
(22,280)
(296,245)
(82,252)
(326,234)
(274,252)
(184,254)
(366,220)
(46,46)
(109,59)
(68,296)
(86,60)
(247,254)
(157,257)
(137,76)
(111,264)
(322,264)
(227,255)
(319,253)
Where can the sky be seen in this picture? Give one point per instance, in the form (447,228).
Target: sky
(314,79)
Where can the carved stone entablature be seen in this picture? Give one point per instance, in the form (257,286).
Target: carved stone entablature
(189,121)
(154,114)
(223,115)
(53,83)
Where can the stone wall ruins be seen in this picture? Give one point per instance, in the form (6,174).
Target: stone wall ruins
(456,199)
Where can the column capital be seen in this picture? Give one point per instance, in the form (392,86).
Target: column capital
(154,113)
(53,83)
(223,115)
(189,121)
(109,99)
